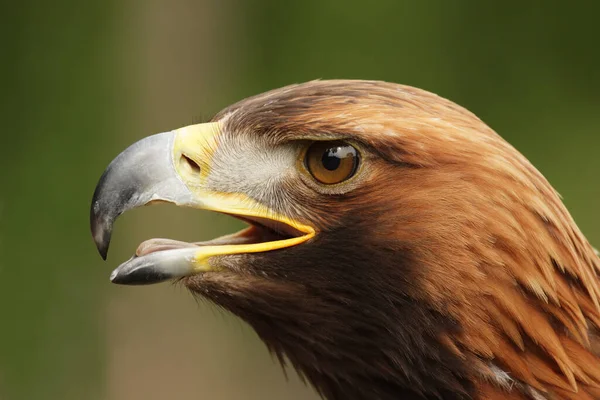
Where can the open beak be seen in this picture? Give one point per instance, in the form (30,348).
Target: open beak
(173,167)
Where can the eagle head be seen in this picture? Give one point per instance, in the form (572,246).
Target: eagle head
(397,247)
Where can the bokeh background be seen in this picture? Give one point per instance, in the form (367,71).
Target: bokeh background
(82,80)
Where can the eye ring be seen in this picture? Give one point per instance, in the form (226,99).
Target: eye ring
(331,162)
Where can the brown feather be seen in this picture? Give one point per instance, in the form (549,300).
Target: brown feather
(456,257)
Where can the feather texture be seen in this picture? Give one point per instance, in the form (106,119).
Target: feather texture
(485,288)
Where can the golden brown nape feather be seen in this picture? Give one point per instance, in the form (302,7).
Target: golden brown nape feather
(490,246)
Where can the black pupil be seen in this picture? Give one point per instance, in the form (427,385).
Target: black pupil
(331,159)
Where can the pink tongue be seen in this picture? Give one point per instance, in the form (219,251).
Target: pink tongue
(154,245)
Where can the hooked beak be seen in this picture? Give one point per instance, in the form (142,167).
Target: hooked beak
(173,167)
(140,174)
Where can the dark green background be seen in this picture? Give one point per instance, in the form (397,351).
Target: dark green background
(81,80)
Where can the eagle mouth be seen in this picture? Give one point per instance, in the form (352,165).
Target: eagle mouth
(157,169)
(260,231)
(157,260)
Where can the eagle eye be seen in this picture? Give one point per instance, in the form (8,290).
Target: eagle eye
(331,162)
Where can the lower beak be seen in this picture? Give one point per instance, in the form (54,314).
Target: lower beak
(154,170)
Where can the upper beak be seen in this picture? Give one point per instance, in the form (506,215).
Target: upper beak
(142,173)
(172,167)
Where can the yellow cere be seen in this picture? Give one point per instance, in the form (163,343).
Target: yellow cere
(197,143)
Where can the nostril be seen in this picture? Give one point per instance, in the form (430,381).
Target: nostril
(189,164)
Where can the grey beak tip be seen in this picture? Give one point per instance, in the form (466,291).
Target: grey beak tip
(132,274)
(103,250)
(114,276)
(104,242)
(101,232)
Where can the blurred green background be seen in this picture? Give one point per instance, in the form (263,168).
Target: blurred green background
(82,80)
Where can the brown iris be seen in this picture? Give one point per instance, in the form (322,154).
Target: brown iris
(331,162)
